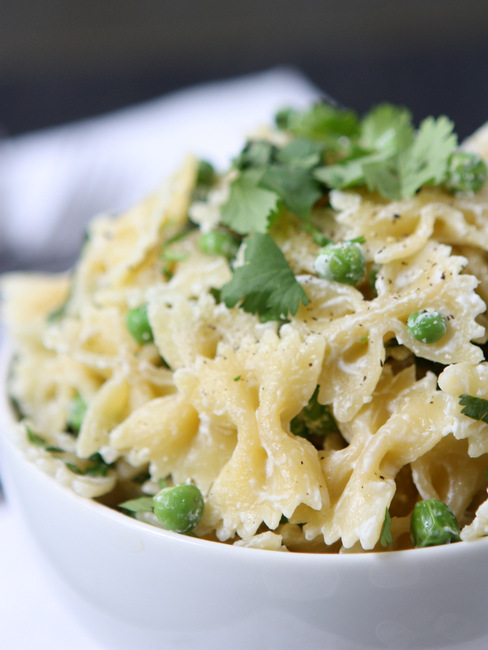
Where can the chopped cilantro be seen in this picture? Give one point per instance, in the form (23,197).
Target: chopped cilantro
(314,421)
(170,255)
(256,153)
(205,173)
(331,125)
(96,467)
(317,235)
(249,206)
(76,412)
(386,536)
(142,504)
(348,173)
(301,152)
(265,283)
(75,469)
(295,185)
(386,127)
(474,407)
(423,161)
(35,438)
(391,157)
(269,179)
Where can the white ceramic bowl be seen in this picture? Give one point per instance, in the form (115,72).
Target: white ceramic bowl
(135,586)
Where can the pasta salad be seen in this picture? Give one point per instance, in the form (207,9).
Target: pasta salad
(288,354)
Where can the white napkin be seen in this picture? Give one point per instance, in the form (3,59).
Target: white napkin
(53,181)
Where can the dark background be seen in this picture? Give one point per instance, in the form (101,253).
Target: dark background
(61,60)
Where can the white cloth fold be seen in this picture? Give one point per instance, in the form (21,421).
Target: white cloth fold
(53,181)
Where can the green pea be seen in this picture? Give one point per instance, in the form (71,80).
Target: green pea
(205,173)
(138,325)
(432,523)
(179,508)
(427,325)
(76,412)
(466,172)
(218,242)
(343,262)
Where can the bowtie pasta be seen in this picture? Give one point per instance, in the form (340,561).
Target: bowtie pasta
(301,338)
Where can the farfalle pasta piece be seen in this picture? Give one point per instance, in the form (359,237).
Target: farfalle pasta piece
(107,409)
(398,229)
(158,432)
(392,230)
(98,337)
(208,452)
(449,474)
(479,526)
(124,252)
(185,326)
(29,301)
(270,471)
(355,350)
(45,385)
(417,422)
(467,379)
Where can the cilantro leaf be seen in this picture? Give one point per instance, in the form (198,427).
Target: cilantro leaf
(301,152)
(314,421)
(295,186)
(350,172)
(386,536)
(142,504)
(386,127)
(474,407)
(256,153)
(389,157)
(35,438)
(98,466)
(249,206)
(325,123)
(424,161)
(265,284)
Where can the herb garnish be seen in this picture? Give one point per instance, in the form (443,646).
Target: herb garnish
(265,284)
(314,421)
(474,407)
(141,504)
(96,467)
(391,157)
(329,148)
(35,438)
(386,536)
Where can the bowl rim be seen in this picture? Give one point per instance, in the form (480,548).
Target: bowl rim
(427,554)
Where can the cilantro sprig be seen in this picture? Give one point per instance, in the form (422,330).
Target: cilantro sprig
(265,284)
(393,158)
(269,179)
(328,147)
(249,206)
